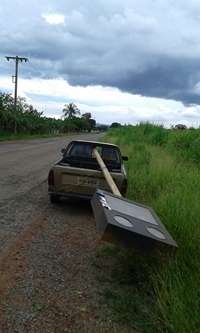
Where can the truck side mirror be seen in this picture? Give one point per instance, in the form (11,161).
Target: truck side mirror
(63,150)
(125,158)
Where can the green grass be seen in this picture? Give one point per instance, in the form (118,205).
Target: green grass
(158,294)
(21,136)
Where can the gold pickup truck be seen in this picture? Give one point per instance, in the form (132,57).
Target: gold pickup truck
(78,174)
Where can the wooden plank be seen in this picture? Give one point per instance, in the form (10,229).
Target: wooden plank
(107,174)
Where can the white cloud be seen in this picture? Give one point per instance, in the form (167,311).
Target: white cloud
(54,18)
(148,46)
(107,104)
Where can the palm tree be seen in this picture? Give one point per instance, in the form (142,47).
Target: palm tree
(70,110)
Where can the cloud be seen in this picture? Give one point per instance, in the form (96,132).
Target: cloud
(147,47)
(107,104)
(54,18)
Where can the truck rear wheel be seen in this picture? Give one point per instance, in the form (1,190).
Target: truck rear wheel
(54,198)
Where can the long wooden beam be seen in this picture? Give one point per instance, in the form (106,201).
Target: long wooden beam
(106,173)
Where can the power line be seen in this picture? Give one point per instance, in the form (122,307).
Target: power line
(17,60)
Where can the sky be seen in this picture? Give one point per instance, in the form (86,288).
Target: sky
(126,61)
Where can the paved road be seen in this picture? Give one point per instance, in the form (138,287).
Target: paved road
(24,167)
(25,164)
(48,280)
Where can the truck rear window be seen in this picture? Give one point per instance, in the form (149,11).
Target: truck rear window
(85,151)
(81,155)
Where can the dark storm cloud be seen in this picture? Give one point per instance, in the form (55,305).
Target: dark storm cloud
(148,47)
(171,79)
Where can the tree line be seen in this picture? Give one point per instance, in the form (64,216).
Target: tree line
(28,120)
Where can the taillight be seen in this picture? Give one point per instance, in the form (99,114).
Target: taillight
(51,178)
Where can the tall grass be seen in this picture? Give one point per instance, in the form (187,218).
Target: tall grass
(184,143)
(163,172)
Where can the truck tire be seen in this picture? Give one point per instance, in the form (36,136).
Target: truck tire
(54,198)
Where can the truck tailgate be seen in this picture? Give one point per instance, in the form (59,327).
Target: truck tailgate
(79,180)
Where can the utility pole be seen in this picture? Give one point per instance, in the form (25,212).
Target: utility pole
(17,60)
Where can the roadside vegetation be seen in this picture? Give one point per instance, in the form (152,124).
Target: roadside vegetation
(26,121)
(158,294)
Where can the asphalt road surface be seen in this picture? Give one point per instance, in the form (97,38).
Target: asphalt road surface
(25,164)
(48,282)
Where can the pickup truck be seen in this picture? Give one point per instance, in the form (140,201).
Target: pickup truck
(77,173)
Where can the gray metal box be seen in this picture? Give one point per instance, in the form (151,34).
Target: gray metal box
(128,223)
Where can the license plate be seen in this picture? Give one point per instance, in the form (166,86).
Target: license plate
(84,181)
